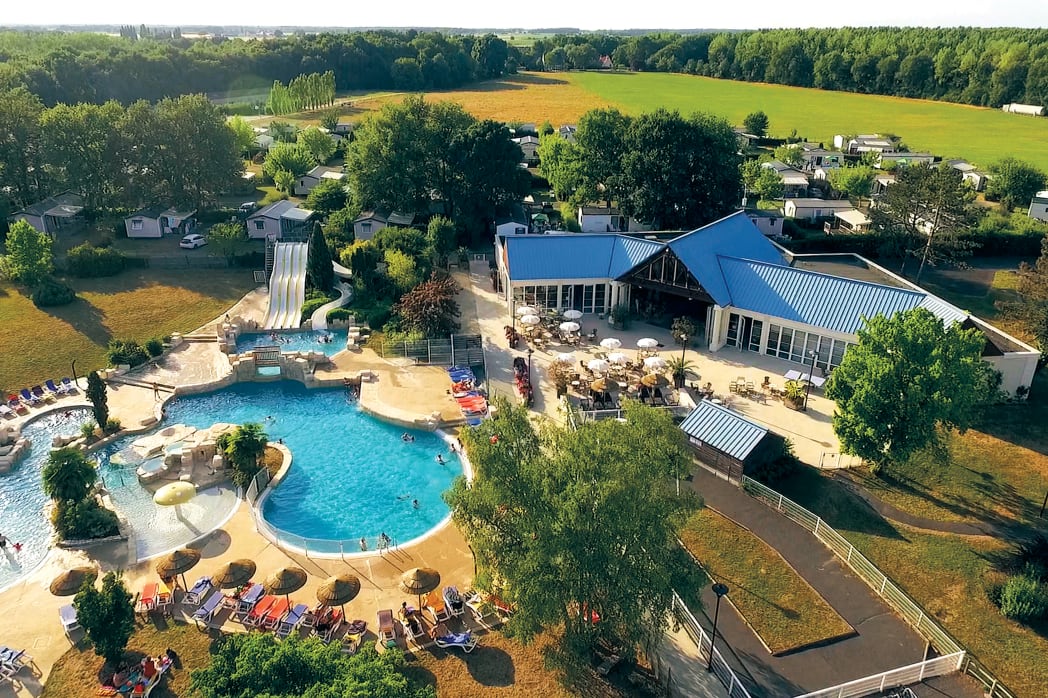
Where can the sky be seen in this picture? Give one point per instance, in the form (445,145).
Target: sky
(582,14)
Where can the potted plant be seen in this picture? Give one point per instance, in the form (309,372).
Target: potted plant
(619,316)
(793,395)
(679,369)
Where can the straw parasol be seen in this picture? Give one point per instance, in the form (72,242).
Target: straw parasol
(655,380)
(285,580)
(598,365)
(531,319)
(233,574)
(419,581)
(610,343)
(71,581)
(647,343)
(655,363)
(338,590)
(599,385)
(572,314)
(569,326)
(177,562)
(567,357)
(617,357)
(526,310)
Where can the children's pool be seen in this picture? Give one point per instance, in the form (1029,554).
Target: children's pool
(294,341)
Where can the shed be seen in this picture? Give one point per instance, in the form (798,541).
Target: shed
(728,441)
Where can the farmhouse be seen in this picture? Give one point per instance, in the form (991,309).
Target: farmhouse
(157,221)
(282,219)
(814,209)
(305,183)
(53,215)
(1039,206)
(370,222)
(727,272)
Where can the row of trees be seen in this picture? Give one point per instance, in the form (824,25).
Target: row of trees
(969,65)
(672,171)
(304,92)
(178,150)
(95,68)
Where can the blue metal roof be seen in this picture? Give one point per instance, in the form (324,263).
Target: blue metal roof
(724,430)
(821,300)
(732,236)
(574,256)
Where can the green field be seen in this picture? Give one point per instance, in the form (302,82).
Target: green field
(982,136)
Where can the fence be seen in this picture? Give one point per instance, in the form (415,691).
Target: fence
(903,676)
(895,597)
(594,415)
(458,349)
(720,667)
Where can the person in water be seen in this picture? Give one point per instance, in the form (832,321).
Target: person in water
(440,458)
(406,437)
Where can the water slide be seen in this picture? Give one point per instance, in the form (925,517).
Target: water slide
(287,286)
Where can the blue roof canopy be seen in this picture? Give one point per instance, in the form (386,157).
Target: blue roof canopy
(575,256)
(727,431)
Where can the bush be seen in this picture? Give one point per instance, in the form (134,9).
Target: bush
(1031,556)
(84,519)
(155,346)
(339,315)
(52,292)
(126,351)
(777,468)
(1024,598)
(112,425)
(87,261)
(215,215)
(378,317)
(310,306)
(87,430)
(273,197)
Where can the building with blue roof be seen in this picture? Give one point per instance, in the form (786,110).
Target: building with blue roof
(728,441)
(737,283)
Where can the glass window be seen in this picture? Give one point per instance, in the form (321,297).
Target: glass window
(365,227)
(733,329)
(136,224)
(785,343)
(518,294)
(587,298)
(773,338)
(600,298)
(755,336)
(261,224)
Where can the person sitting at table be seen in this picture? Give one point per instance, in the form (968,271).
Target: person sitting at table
(148,668)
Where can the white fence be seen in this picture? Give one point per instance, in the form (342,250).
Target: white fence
(720,667)
(903,676)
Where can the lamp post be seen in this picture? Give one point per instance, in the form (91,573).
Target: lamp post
(513,312)
(811,374)
(720,590)
(73,366)
(683,349)
(530,352)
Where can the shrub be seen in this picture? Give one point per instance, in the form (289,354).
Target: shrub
(776,468)
(1024,598)
(87,430)
(51,292)
(87,261)
(112,425)
(154,346)
(339,315)
(243,447)
(378,317)
(1031,556)
(126,351)
(273,197)
(310,306)
(84,519)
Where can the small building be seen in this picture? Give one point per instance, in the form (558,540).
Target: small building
(851,221)
(1039,206)
(881,182)
(1028,109)
(515,222)
(282,219)
(794,182)
(246,183)
(904,159)
(768,222)
(264,141)
(305,183)
(814,209)
(607,219)
(814,156)
(970,174)
(865,143)
(157,221)
(53,215)
(370,222)
(343,127)
(529,146)
(567,132)
(729,442)
(745,140)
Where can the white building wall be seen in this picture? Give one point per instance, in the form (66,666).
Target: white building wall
(36,221)
(1016,369)
(1038,211)
(270,227)
(150,227)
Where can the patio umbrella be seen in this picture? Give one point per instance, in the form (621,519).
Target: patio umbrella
(599,385)
(531,319)
(572,314)
(655,363)
(523,310)
(610,343)
(617,357)
(177,562)
(647,343)
(71,581)
(419,581)
(598,365)
(233,574)
(338,590)
(565,358)
(285,580)
(569,326)
(655,380)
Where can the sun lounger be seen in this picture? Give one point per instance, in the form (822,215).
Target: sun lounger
(68,615)
(55,389)
(354,634)
(6,411)
(387,632)
(291,621)
(436,606)
(210,607)
(248,599)
(39,394)
(275,613)
(202,586)
(465,641)
(15,659)
(258,613)
(147,599)
(69,385)
(413,629)
(15,404)
(28,398)
(164,597)
(454,602)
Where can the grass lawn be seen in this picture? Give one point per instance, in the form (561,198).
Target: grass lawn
(947,575)
(948,130)
(75,675)
(40,343)
(783,609)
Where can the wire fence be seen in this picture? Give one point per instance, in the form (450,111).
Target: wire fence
(903,676)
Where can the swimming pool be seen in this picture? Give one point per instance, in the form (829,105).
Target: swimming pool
(352,475)
(294,341)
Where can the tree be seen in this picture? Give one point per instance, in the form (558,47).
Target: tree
(768,185)
(68,475)
(284,181)
(756,123)
(226,239)
(683,326)
(319,272)
(538,492)
(318,144)
(107,617)
(559,164)
(327,196)
(401,270)
(243,134)
(244,447)
(363,259)
(28,258)
(338,230)
(287,157)
(856,182)
(440,235)
(491,54)
(792,155)
(487,175)
(1014,182)
(908,377)
(601,146)
(430,307)
(20,154)
(1032,304)
(200,156)
(96,395)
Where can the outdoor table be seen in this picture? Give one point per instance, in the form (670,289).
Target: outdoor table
(792,375)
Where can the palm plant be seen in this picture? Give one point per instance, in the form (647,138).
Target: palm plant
(680,367)
(68,475)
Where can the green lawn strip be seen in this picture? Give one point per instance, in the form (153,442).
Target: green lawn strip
(947,575)
(948,130)
(76,674)
(783,609)
(40,343)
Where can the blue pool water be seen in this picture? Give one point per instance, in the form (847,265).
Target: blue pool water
(352,475)
(294,341)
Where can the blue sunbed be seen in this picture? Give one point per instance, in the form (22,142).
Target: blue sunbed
(292,619)
(210,607)
(202,586)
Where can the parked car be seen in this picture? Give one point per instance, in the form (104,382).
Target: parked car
(191,242)
(248,207)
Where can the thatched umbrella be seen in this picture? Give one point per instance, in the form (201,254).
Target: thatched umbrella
(285,580)
(338,591)
(233,574)
(655,380)
(599,385)
(177,562)
(419,581)
(71,581)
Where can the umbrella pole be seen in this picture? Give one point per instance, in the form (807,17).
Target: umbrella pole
(184,585)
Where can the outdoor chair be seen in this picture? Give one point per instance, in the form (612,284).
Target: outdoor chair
(210,607)
(28,398)
(258,614)
(201,587)
(435,605)
(54,389)
(292,620)
(464,641)
(69,385)
(454,601)
(387,632)
(68,616)
(275,613)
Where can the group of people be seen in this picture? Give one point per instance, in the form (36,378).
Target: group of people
(384,541)
(3,544)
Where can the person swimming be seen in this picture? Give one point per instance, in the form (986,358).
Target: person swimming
(440,458)
(406,437)
(414,503)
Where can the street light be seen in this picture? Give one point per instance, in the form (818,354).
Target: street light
(811,374)
(720,590)
(513,312)
(683,348)
(530,352)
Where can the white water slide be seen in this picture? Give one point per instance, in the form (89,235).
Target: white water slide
(287,286)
